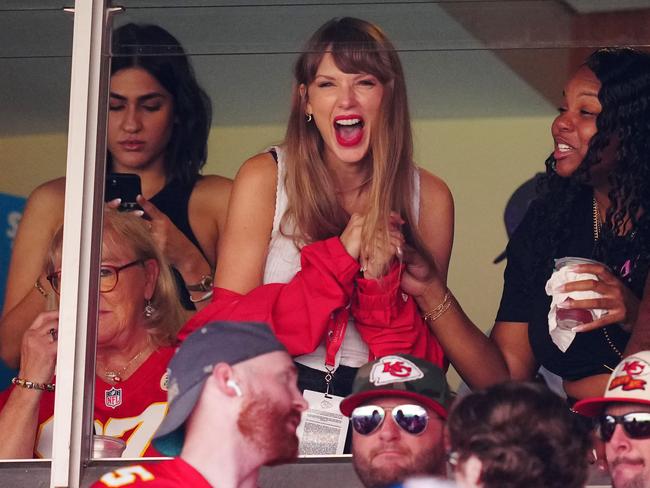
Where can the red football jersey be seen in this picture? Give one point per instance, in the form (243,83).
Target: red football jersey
(175,473)
(131,410)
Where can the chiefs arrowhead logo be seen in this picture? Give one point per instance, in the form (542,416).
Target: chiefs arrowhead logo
(394,369)
(633,367)
(628,381)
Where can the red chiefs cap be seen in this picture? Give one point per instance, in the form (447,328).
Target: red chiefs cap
(629,383)
(399,375)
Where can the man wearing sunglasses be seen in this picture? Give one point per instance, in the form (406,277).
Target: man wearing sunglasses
(397,409)
(623,421)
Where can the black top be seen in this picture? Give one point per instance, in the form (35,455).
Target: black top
(173,200)
(524,298)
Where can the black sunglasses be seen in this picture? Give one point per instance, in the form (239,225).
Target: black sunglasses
(635,424)
(412,419)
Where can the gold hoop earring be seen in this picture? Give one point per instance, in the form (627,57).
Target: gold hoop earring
(309,118)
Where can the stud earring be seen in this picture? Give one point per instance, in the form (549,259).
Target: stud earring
(148,309)
(309,118)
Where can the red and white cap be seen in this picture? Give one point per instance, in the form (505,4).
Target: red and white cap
(629,383)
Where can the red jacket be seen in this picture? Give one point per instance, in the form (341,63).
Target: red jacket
(317,302)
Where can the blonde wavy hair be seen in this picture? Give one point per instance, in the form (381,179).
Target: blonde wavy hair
(123,230)
(357,46)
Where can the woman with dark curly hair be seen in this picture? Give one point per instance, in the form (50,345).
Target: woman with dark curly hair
(158,125)
(517,435)
(592,205)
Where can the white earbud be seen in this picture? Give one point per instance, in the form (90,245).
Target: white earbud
(233,384)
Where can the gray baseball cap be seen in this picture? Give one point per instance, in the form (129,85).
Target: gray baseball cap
(214,343)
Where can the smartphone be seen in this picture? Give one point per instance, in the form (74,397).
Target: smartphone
(125,186)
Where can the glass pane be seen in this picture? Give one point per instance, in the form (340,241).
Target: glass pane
(35,57)
(484,79)
(209,27)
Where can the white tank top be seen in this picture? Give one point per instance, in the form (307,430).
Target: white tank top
(283,262)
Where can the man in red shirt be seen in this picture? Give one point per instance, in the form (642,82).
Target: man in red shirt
(233,407)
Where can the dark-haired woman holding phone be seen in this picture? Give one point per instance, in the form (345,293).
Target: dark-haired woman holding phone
(158,125)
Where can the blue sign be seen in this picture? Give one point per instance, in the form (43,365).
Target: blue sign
(11,210)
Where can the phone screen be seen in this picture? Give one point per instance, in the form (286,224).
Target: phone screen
(125,186)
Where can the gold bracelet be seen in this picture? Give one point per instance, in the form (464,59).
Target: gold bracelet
(436,313)
(30,385)
(40,288)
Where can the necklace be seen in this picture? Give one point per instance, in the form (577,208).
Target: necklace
(116,375)
(610,343)
(597,229)
(361,185)
(597,222)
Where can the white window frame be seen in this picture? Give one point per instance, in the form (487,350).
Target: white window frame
(84,193)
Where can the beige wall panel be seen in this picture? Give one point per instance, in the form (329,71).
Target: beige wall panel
(483,160)
(28,160)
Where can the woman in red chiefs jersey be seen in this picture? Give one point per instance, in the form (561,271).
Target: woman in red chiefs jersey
(139,315)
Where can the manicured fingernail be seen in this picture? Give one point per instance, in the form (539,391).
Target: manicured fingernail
(564,304)
(558,289)
(138,213)
(577,328)
(116,201)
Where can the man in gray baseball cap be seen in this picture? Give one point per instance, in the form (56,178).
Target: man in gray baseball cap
(398,409)
(233,407)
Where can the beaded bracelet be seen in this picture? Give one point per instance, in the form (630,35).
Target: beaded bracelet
(30,385)
(202,298)
(437,312)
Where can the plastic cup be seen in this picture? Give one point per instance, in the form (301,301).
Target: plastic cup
(107,447)
(568,318)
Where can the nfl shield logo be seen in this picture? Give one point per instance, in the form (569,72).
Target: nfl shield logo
(113,397)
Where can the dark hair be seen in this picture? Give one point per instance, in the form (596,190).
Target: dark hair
(524,435)
(155,50)
(623,123)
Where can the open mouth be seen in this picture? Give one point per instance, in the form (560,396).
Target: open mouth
(349,130)
(562,149)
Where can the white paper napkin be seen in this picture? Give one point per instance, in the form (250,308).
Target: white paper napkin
(563,338)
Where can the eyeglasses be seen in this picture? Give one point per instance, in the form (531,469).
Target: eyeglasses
(108,277)
(635,424)
(412,419)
